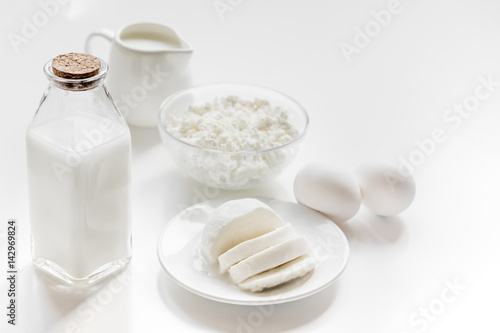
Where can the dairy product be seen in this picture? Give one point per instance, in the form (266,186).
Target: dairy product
(291,270)
(255,245)
(269,258)
(79,176)
(150,43)
(235,222)
(233,125)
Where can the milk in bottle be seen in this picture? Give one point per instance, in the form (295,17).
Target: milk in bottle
(79,174)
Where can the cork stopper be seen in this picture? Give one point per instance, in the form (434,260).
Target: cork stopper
(76,65)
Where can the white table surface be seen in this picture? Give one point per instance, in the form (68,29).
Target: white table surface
(393,93)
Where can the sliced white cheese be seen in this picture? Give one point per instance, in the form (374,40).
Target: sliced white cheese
(271,257)
(235,222)
(255,245)
(281,274)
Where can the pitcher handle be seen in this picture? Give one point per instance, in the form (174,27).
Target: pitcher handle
(106,33)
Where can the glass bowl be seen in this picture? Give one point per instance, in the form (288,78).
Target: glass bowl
(231,169)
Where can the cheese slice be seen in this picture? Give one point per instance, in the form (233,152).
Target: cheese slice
(234,222)
(269,258)
(279,275)
(255,245)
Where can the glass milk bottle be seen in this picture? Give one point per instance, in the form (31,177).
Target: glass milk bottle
(79,160)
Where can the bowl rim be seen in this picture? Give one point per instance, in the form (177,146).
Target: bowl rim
(162,128)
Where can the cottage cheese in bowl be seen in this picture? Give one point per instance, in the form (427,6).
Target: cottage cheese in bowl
(232,136)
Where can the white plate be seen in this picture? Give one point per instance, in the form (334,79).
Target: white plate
(178,251)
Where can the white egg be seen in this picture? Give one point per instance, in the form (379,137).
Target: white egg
(334,193)
(384,190)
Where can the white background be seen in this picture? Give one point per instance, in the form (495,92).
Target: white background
(393,92)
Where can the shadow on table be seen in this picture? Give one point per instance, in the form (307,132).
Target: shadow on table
(144,139)
(241,318)
(104,307)
(367,227)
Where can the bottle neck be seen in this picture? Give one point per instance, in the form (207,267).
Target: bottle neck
(76,84)
(66,98)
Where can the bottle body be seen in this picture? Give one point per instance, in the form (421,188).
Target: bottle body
(79,177)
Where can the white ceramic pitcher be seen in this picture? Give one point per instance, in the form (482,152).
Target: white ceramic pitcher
(147,63)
